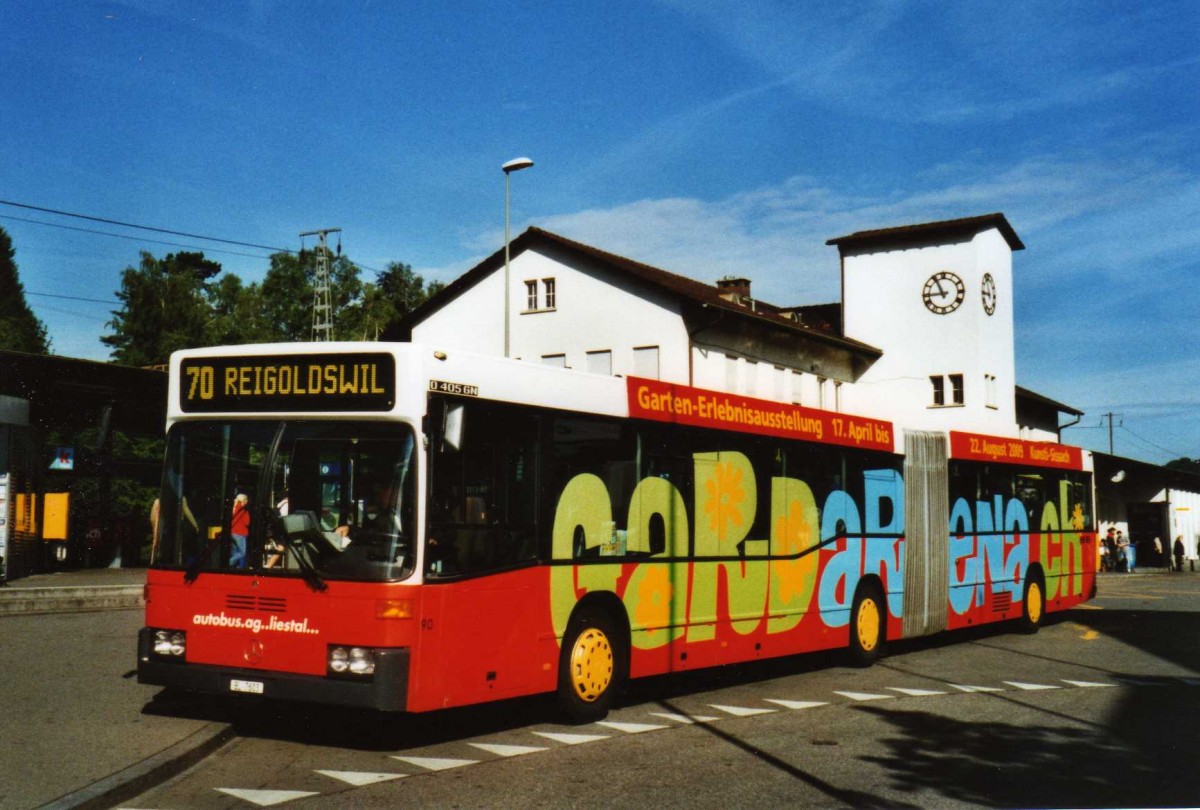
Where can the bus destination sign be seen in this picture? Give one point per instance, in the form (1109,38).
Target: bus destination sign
(290,383)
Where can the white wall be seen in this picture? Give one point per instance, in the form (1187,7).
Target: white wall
(882,296)
(590,314)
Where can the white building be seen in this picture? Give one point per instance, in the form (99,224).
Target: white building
(922,337)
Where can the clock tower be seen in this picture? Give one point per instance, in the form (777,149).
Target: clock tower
(937,299)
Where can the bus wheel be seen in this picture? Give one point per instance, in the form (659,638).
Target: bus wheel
(866,626)
(1033,606)
(589,668)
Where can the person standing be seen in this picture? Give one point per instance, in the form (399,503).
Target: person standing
(1122,553)
(239,529)
(1179,553)
(1126,544)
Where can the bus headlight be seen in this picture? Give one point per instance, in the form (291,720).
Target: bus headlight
(170,644)
(351,662)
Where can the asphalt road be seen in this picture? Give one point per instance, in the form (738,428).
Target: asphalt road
(73,712)
(1101,708)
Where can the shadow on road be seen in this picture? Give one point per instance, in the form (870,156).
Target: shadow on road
(1143,752)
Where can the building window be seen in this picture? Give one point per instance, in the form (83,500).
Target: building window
(956,389)
(555,360)
(940,392)
(548,286)
(530,296)
(645,362)
(600,362)
(821,392)
(989,384)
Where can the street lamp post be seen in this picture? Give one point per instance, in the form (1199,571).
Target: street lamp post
(514,165)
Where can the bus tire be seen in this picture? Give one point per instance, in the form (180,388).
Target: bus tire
(590,666)
(868,622)
(1033,604)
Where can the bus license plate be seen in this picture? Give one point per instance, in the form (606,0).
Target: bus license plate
(250,687)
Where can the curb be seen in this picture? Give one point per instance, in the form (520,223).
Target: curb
(149,773)
(71,599)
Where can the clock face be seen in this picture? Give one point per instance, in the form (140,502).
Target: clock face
(989,294)
(943,292)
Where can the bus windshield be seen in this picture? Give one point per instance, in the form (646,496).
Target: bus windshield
(318,500)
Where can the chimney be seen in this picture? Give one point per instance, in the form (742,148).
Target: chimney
(734,289)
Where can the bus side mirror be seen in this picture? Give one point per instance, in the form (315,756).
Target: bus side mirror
(452,430)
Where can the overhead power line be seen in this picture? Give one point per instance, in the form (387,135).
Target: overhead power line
(73,298)
(142,227)
(129,236)
(154,229)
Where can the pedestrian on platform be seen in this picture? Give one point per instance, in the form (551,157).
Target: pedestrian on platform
(1179,553)
(239,529)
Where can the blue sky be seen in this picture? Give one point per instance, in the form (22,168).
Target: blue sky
(706,138)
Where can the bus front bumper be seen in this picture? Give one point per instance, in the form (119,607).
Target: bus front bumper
(386,692)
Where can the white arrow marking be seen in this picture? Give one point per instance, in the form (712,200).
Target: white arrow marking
(267,798)
(507,750)
(864,696)
(976,688)
(629,728)
(571,739)
(1031,687)
(796,704)
(436,763)
(916,692)
(1086,683)
(742,711)
(360,778)
(683,718)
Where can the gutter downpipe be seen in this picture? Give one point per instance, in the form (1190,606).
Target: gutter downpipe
(692,336)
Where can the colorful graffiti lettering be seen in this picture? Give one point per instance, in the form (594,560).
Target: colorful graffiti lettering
(748,582)
(712,573)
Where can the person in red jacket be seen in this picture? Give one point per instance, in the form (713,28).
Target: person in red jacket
(239,529)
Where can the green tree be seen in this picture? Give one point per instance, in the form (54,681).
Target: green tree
(396,292)
(1185,464)
(287,296)
(236,313)
(20,329)
(164,307)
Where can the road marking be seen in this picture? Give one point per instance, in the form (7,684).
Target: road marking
(360,778)
(507,750)
(629,728)
(1086,683)
(797,704)
(436,763)
(742,711)
(916,692)
(571,739)
(685,719)
(965,688)
(862,696)
(1031,687)
(267,798)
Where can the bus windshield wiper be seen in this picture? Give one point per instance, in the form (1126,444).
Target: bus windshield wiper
(307,570)
(193,570)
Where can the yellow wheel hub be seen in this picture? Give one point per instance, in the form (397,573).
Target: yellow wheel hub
(591,665)
(1034,608)
(869,623)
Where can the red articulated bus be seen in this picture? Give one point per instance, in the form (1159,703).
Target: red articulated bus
(433,528)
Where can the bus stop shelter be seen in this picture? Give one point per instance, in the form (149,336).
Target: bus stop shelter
(80,452)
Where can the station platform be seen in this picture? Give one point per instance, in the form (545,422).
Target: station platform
(72,591)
